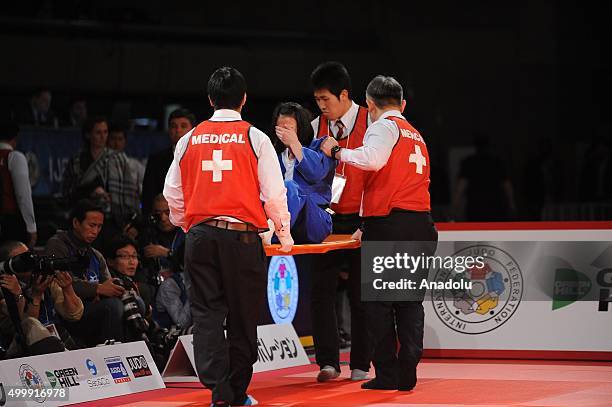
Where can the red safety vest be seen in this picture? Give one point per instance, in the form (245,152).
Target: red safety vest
(403,183)
(219,174)
(7,192)
(350,201)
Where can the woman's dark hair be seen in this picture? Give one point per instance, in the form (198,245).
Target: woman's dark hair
(302,117)
(88,126)
(118,242)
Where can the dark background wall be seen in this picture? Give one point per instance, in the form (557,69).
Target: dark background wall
(516,71)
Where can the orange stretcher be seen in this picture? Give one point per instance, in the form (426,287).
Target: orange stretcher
(333,242)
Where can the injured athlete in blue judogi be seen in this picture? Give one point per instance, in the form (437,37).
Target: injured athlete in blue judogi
(308,173)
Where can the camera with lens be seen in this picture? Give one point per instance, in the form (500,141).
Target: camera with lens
(44,265)
(142,222)
(131,310)
(163,341)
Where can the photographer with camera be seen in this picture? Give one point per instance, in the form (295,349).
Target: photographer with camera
(162,246)
(122,258)
(23,334)
(101,297)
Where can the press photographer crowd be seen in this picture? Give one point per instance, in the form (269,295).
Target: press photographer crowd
(115,274)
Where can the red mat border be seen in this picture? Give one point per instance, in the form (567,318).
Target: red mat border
(470,226)
(517,354)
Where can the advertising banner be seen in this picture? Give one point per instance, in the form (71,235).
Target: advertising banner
(77,376)
(278,347)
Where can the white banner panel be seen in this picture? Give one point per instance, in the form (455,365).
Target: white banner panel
(555,294)
(78,376)
(278,347)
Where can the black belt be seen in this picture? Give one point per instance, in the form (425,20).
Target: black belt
(237,226)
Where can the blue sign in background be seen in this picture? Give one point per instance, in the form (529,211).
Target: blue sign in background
(48,152)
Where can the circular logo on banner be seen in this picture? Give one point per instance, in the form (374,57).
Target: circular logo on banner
(91,366)
(283,289)
(489,301)
(52,379)
(32,380)
(2,395)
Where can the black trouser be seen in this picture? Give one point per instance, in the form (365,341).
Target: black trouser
(101,320)
(12,227)
(389,322)
(228,280)
(325,272)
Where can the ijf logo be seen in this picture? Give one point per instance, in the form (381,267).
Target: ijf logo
(497,289)
(117,369)
(282,289)
(31,379)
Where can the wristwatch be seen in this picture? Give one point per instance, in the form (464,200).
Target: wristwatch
(334,150)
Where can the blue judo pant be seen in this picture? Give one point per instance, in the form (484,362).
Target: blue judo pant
(310,223)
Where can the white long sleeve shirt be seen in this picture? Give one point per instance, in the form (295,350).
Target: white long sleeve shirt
(378,143)
(271,184)
(20,175)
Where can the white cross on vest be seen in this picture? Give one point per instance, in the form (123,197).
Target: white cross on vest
(217,165)
(418,158)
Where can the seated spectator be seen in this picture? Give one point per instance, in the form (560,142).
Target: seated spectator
(104,175)
(122,258)
(22,334)
(307,171)
(77,114)
(117,140)
(162,245)
(38,112)
(172,307)
(180,122)
(101,297)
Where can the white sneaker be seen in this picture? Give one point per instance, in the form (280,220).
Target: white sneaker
(250,401)
(358,374)
(327,373)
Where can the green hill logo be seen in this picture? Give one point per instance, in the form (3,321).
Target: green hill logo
(570,286)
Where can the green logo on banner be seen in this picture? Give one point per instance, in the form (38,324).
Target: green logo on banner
(570,286)
(52,379)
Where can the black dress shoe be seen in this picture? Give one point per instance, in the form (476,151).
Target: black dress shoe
(408,380)
(407,386)
(375,385)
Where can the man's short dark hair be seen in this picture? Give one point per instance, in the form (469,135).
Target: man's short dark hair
(8,130)
(332,76)
(183,113)
(118,242)
(90,123)
(80,209)
(40,90)
(118,128)
(385,91)
(302,117)
(226,88)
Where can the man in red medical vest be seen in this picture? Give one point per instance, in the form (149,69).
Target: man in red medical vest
(395,207)
(222,186)
(345,121)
